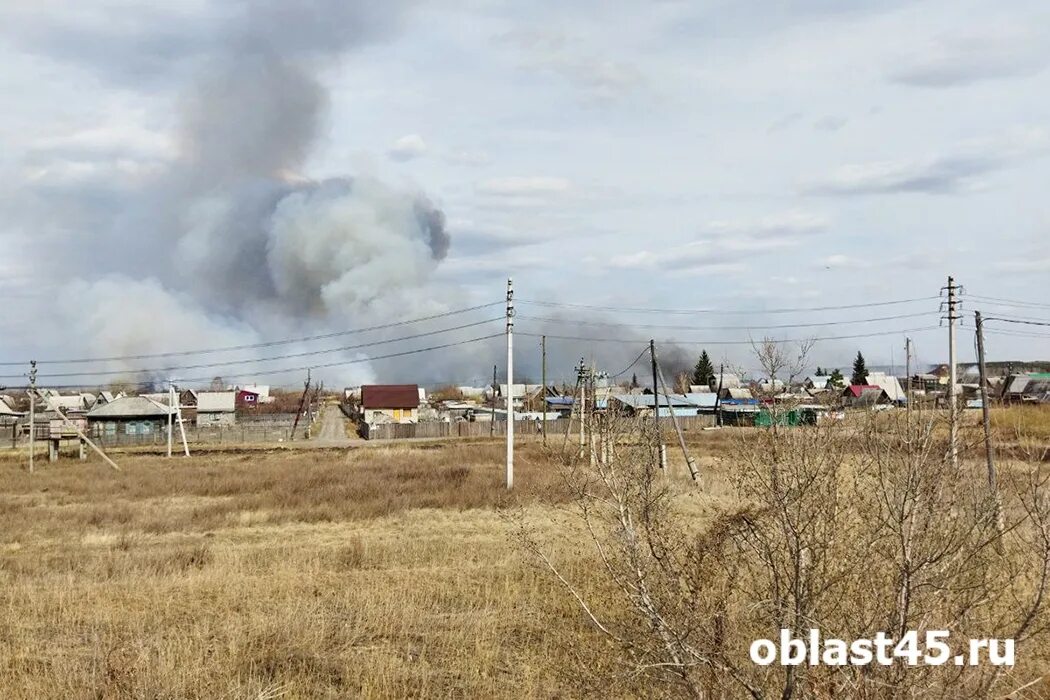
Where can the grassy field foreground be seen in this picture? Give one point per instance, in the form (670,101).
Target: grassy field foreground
(377,573)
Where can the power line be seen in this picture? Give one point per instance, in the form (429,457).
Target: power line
(1010,302)
(727,328)
(251,346)
(228,363)
(303,368)
(723,312)
(735,342)
(1023,322)
(633,363)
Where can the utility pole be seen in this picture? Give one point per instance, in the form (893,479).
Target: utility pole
(543,393)
(178,417)
(510,383)
(718,396)
(32,412)
(953,408)
(907,372)
(689,462)
(985,412)
(492,423)
(581,373)
(171,414)
(302,401)
(661,450)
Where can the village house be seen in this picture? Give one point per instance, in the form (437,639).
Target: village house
(246,398)
(216,409)
(390,403)
(679,404)
(128,415)
(864,396)
(8,414)
(261,391)
(889,384)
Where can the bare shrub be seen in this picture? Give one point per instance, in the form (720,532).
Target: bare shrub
(852,529)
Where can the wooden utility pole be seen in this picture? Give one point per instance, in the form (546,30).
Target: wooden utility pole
(689,462)
(953,408)
(32,412)
(718,396)
(661,450)
(985,409)
(80,433)
(543,393)
(302,401)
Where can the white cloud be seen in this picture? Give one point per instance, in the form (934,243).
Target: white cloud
(989,53)
(408,147)
(724,246)
(534,186)
(964,170)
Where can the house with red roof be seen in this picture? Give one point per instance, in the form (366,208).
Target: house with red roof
(864,396)
(390,403)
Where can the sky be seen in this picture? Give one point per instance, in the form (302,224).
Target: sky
(210,174)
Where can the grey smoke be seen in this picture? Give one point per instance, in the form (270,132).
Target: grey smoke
(231,242)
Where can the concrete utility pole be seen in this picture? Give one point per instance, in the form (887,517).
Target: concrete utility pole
(953,408)
(907,372)
(32,412)
(543,392)
(182,427)
(510,383)
(989,454)
(492,423)
(661,450)
(581,373)
(171,414)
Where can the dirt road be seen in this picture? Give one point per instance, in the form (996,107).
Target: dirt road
(331,430)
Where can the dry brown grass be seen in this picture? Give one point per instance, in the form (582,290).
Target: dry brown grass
(378,572)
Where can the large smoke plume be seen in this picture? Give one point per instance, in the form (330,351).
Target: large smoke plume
(231,241)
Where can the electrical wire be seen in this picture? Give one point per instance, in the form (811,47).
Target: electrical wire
(163,370)
(340,363)
(1024,322)
(625,369)
(1010,302)
(251,346)
(733,342)
(726,328)
(722,312)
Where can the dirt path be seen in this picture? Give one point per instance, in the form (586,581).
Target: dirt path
(332,429)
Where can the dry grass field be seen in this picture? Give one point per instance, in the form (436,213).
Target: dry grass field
(380,571)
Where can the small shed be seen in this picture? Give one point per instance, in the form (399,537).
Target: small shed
(216,408)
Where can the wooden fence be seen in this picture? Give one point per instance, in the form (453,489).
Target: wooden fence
(522,428)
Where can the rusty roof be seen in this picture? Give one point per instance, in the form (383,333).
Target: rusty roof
(390,396)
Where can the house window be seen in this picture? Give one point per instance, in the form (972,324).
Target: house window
(397,414)
(131,428)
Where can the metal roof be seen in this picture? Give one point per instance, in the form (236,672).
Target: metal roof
(705,400)
(216,401)
(390,396)
(131,407)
